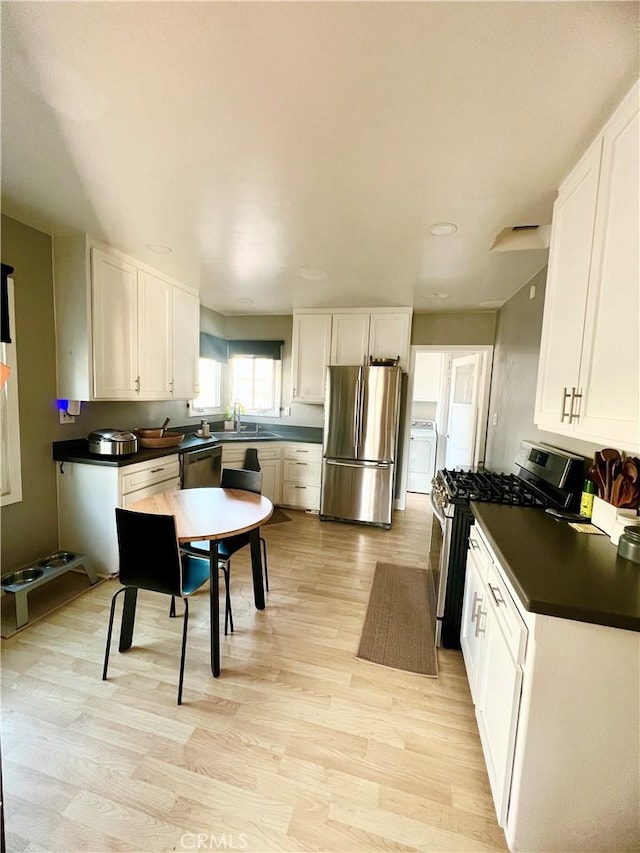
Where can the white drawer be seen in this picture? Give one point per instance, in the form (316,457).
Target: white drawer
(236,452)
(302,472)
(146,473)
(302,497)
(139,494)
(506,613)
(303,452)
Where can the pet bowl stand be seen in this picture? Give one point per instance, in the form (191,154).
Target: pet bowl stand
(20,591)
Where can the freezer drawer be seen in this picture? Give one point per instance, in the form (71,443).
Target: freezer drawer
(357,491)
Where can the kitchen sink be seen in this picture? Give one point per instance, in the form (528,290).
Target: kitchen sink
(230,435)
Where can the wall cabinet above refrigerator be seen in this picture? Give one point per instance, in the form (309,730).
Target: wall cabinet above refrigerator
(123,330)
(343,337)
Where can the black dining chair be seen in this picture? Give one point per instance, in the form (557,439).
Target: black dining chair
(247,481)
(150,559)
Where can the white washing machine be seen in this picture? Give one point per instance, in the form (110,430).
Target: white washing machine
(422,456)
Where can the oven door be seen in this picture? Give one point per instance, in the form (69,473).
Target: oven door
(439,558)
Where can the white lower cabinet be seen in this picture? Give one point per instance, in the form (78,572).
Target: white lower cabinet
(270,459)
(493,640)
(87,498)
(301,473)
(558,709)
(290,471)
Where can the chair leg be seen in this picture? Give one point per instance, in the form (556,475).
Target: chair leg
(109,632)
(264,562)
(228,614)
(172,607)
(184,649)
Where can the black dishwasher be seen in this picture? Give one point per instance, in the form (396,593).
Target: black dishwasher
(201,468)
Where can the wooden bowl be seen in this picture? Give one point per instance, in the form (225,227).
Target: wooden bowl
(171,440)
(149,432)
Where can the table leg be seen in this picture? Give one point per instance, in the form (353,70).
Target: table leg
(214,608)
(256,568)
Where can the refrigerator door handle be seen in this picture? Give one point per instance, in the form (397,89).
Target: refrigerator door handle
(356,416)
(342,464)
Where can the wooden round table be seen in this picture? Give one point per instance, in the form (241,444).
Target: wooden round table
(209,515)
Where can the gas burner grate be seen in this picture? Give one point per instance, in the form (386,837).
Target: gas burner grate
(490,487)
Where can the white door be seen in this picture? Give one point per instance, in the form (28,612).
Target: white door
(463,410)
(310,356)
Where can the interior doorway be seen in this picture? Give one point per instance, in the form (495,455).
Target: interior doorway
(447,406)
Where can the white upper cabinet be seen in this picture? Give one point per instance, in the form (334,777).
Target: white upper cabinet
(155,336)
(114,294)
(186,344)
(349,336)
(389,335)
(359,334)
(589,370)
(310,355)
(123,331)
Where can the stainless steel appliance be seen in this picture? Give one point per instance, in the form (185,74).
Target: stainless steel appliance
(422,456)
(112,442)
(201,468)
(359,444)
(547,478)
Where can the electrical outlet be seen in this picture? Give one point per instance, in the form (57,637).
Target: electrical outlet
(65,418)
(286,412)
(494,420)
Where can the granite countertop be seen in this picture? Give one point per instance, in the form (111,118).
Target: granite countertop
(77,450)
(557,571)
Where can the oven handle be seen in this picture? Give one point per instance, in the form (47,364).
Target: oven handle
(436,510)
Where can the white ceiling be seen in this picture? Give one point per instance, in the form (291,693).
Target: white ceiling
(262,140)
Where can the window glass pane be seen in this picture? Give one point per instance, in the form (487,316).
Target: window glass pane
(254,383)
(210,378)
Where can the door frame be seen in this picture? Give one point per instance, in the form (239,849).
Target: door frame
(483,406)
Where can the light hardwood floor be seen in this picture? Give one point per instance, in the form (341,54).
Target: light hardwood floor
(297,746)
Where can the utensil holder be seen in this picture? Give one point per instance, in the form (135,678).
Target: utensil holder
(603,515)
(610,519)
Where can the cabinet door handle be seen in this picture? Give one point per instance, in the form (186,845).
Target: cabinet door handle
(294,391)
(475,607)
(565,414)
(480,630)
(138,384)
(473,544)
(156,470)
(300,463)
(493,590)
(575,396)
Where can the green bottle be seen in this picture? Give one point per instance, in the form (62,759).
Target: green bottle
(586,501)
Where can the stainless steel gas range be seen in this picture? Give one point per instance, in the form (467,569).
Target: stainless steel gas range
(547,478)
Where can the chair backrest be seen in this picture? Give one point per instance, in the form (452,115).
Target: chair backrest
(240,478)
(149,551)
(251,462)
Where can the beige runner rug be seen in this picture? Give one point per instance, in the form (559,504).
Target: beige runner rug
(399,626)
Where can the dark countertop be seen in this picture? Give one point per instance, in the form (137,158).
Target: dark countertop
(77,450)
(557,571)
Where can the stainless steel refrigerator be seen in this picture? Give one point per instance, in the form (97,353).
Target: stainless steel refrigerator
(360,443)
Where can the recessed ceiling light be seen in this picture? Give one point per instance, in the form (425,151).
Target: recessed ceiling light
(443,229)
(245,300)
(159,248)
(312,274)
(436,295)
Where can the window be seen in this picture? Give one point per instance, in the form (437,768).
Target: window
(10,470)
(255,384)
(211,376)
